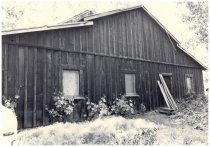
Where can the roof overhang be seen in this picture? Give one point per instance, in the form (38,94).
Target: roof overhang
(128,9)
(110,13)
(45,28)
(191,56)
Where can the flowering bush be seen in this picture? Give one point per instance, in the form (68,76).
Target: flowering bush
(97,110)
(63,107)
(122,107)
(10,103)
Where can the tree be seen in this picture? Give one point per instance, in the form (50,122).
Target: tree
(198,20)
(11,16)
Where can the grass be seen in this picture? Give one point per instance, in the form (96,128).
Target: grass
(116,131)
(111,130)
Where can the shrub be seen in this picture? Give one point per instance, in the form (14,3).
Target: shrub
(122,107)
(97,110)
(142,108)
(63,107)
(10,103)
(191,95)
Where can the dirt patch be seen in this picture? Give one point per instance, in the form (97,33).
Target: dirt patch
(181,136)
(189,125)
(193,111)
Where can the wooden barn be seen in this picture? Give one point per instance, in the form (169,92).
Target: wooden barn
(113,53)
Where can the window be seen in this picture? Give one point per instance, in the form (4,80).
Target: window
(130,87)
(189,83)
(71,82)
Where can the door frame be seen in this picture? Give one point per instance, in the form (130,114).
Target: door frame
(170,76)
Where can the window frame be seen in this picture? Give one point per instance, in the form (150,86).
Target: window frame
(81,81)
(133,83)
(124,72)
(192,82)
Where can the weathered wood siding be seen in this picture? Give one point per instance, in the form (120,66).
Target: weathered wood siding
(135,34)
(114,45)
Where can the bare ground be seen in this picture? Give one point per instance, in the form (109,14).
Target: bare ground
(172,131)
(189,125)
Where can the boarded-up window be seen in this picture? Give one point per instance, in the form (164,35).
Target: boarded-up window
(189,84)
(71,82)
(130,87)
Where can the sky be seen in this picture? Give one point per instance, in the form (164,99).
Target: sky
(48,13)
(40,13)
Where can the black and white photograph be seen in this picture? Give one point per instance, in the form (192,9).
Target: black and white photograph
(104,72)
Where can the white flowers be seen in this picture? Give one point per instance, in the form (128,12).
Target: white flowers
(17,96)
(7,104)
(63,106)
(68,110)
(10,103)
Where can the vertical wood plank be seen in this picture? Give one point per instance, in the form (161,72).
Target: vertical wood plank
(5,69)
(25,86)
(156,88)
(16,70)
(81,88)
(59,70)
(88,76)
(149,90)
(44,87)
(35,81)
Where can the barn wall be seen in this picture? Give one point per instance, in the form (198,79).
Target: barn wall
(135,34)
(114,45)
(35,73)
(132,34)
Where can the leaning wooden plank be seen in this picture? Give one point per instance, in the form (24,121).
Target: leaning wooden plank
(169,96)
(168,92)
(163,93)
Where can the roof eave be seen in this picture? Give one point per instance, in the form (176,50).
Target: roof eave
(111,13)
(45,28)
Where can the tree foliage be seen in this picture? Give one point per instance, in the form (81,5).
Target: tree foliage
(198,20)
(11,16)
